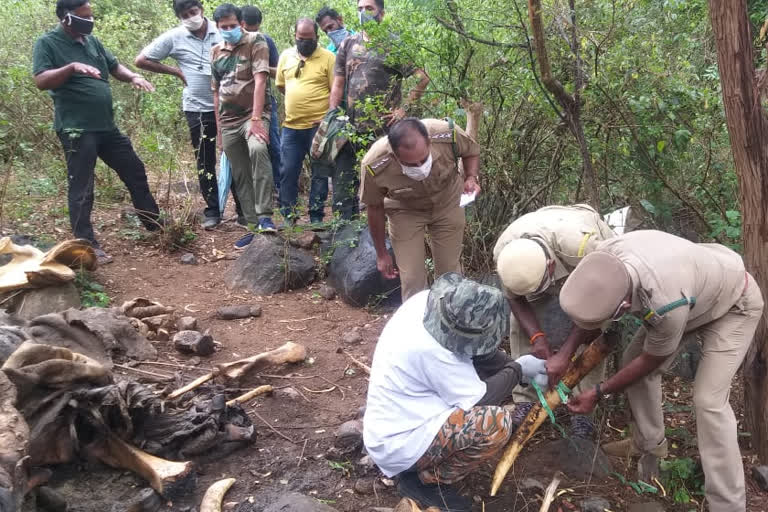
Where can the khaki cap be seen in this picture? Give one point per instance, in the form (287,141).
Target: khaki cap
(594,290)
(521,265)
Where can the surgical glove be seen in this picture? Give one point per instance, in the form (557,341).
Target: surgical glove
(532,367)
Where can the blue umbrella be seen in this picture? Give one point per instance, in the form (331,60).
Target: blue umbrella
(225,181)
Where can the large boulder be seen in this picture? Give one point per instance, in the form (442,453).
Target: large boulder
(33,302)
(352,269)
(270,265)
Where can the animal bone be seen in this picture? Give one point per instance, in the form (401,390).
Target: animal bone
(214,496)
(288,353)
(166,477)
(583,364)
(251,394)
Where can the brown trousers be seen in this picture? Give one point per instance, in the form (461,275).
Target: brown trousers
(725,342)
(407,229)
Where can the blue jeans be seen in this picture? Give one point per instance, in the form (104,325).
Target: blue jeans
(296,145)
(274,144)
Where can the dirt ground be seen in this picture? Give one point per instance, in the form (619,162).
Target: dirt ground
(290,455)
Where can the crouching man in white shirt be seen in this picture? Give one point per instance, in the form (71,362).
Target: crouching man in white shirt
(438,378)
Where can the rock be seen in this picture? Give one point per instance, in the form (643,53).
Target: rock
(760,475)
(365,485)
(651,506)
(288,393)
(159,322)
(186,323)
(352,269)
(238,311)
(349,436)
(35,302)
(366,463)
(294,502)
(306,240)
(352,337)
(49,500)
(10,339)
(194,361)
(193,342)
(188,259)
(327,292)
(163,335)
(531,484)
(269,266)
(146,500)
(595,504)
(578,458)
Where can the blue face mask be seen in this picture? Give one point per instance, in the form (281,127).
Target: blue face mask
(338,36)
(232,36)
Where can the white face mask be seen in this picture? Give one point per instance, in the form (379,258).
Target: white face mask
(419,173)
(194,23)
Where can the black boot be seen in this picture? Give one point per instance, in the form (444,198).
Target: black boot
(443,497)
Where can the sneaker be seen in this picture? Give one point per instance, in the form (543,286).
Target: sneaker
(210,223)
(266,225)
(582,427)
(244,242)
(443,496)
(102,257)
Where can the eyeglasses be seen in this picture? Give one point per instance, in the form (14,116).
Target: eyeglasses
(299,68)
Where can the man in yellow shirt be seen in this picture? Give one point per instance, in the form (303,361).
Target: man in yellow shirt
(305,76)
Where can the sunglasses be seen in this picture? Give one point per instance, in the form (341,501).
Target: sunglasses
(299,68)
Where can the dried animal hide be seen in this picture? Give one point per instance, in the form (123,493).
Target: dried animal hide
(31,268)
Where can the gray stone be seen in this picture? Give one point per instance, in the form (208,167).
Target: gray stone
(193,342)
(327,292)
(365,485)
(760,475)
(352,269)
(352,337)
(289,393)
(578,458)
(595,504)
(146,500)
(188,259)
(651,506)
(349,436)
(186,323)
(35,302)
(294,502)
(270,266)
(238,311)
(531,484)
(366,463)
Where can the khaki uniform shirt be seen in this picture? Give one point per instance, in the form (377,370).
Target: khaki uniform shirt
(382,179)
(568,232)
(665,268)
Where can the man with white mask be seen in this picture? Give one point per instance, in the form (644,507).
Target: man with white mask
(412,178)
(189,44)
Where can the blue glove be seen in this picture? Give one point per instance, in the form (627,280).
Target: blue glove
(534,369)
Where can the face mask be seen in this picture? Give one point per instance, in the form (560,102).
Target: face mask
(306,47)
(338,36)
(364,17)
(419,173)
(232,36)
(78,25)
(194,23)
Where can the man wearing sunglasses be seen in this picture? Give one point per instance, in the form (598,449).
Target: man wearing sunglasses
(534,256)
(412,177)
(673,287)
(305,76)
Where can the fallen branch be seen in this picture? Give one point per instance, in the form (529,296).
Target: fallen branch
(145,372)
(251,394)
(320,392)
(273,429)
(214,496)
(363,366)
(298,320)
(583,364)
(288,353)
(301,457)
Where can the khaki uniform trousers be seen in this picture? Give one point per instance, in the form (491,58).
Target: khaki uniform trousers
(251,170)
(520,345)
(406,231)
(725,342)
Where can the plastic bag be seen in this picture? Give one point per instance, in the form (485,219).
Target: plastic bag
(224,181)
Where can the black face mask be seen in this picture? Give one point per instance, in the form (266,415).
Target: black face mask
(306,47)
(78,25)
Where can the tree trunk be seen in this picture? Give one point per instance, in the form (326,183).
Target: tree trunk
(748,130)
(571,104)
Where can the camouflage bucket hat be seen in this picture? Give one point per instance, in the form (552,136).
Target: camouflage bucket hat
(466,317)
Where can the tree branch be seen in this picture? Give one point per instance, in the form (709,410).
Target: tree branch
(475,38)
